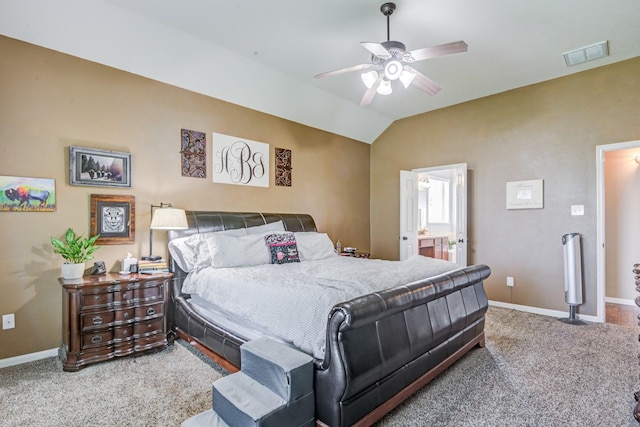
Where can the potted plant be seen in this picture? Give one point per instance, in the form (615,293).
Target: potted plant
(76,250)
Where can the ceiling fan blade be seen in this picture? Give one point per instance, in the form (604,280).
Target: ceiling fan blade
(435,51)
(343,70)
(371,92)
(376,49)
(423,82)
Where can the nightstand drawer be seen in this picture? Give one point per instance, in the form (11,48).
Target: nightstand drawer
(149,327)
(149,293)
(96,300)
(149,310)
(145,343)
(98,319)
(123,296)
(125,315)
(92,340)
(122,333)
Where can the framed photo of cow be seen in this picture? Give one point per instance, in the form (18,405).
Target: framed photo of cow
(113,218)
(99,168)
(23,194)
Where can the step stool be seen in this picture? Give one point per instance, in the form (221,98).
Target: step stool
(273,388)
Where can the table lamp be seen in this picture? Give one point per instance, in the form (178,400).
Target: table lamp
(165,218)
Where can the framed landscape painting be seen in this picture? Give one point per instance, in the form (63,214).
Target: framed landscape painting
(21,194)
(99,168)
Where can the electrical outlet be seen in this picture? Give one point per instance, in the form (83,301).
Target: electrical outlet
(510,281)
(8,321)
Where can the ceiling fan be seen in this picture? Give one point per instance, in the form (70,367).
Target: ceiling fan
(391,61)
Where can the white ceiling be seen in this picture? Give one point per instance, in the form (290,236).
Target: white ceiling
(263,55)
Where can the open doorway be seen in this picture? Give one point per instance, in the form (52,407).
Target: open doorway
(618,178)
(434,213)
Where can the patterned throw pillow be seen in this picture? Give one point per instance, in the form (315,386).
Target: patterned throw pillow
(282,248)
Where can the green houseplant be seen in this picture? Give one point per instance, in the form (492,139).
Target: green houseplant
(75,250)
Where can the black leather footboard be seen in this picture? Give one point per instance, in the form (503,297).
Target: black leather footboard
(380,343)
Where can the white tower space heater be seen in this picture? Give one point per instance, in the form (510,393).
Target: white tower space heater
(572,250)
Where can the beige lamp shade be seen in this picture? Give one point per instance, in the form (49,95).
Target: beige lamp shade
(169,219)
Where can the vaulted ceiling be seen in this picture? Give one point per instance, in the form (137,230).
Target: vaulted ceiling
(263,55)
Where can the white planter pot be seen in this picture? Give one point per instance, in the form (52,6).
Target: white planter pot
(72,271)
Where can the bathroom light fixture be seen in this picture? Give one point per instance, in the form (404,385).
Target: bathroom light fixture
(165,218)
(423,183)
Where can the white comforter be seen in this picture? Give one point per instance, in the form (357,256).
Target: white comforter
(292,301)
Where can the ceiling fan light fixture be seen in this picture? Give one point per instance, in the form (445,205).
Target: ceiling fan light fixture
(369,78)
(391,61)
(393,69)
(406,78)
(385,87)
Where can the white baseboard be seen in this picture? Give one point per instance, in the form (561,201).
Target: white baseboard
(11,361)
(542,311)
(620,301)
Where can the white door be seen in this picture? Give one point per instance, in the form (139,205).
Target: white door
(408,214)
(461,214)
(458,212)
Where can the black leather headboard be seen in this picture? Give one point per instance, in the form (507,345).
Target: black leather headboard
(206,221)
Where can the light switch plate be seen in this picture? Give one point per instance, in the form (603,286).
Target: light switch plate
(577,210)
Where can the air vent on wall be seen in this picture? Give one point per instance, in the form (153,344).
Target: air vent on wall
(587,53)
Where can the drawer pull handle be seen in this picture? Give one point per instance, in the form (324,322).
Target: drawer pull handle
(96,339)
(151,311)
(126,314)
(97,320)
(125,332)
(96,297)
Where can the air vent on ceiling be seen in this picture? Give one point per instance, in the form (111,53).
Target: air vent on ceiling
(587,53)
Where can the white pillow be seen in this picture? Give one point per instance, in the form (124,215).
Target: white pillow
(193,250)
(234,251)
(185,251)
(261,229)
(314,246)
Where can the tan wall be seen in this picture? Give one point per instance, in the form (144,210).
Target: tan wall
(546,131)
(622,228)
(49,101)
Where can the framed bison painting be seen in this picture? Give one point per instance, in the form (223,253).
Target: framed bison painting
(99,168)
(113,218)
(20,194)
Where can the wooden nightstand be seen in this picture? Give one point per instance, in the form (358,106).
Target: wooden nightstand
(111,315)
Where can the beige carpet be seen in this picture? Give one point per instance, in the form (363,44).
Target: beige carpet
(534,371)
(159,389)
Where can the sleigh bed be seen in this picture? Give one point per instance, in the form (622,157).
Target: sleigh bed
(375,348)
